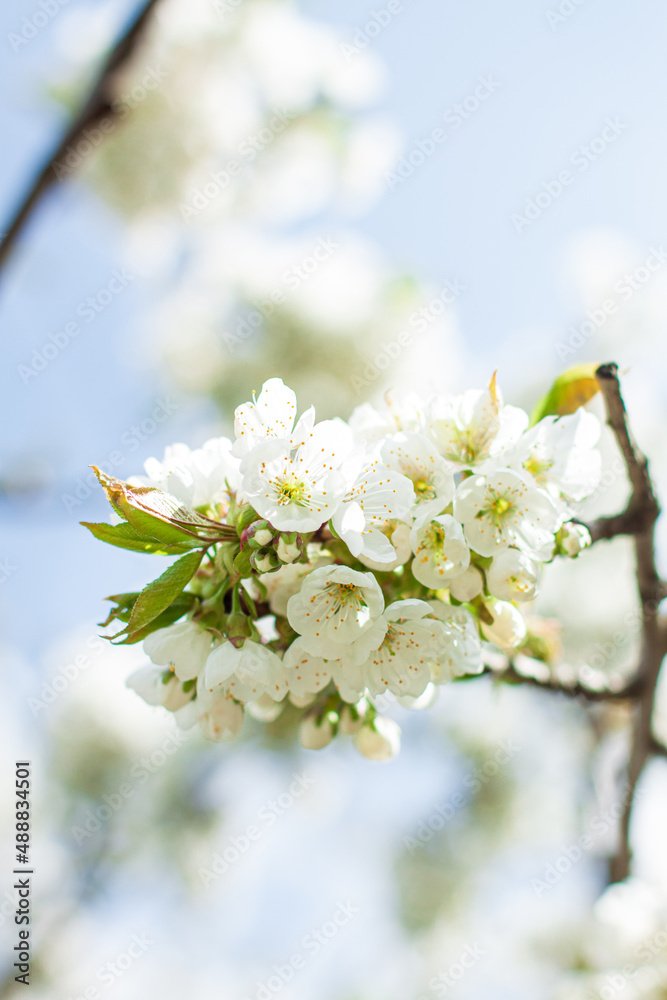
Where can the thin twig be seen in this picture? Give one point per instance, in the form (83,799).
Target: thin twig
(98,105)
(575,689)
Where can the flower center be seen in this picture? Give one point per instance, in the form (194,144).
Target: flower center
(423,488)
(389,640)
(291,491)
(537,467)
(348,595)
(499,510)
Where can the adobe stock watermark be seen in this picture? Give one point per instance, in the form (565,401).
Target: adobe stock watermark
(453,119)
(224,8)
(109,973)
(641,975)
(625,289)
(443,982)
(87,310)
(601,654)
(564,10)
(247,151)
(596,828)
(92,137)
(7,569)
(239,845)
(581,159)
(292,279)
(130,440)
(474,781)
(377,22)
(418,322)
(32,24)
(311,944)
(93,819)
(66,675)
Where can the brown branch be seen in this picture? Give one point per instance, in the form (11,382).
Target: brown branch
(576,689)
(638,520)
(643,509)
(98,106)
(657,748)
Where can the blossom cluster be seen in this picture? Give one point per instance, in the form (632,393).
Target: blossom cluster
(338,562)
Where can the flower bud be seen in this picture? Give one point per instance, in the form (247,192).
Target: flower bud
(259,535)
(317,731)
(507,628)
(265,561)
(572,538)
(467,586)
(238,628)
(352,717)
(379,739)
(290,547)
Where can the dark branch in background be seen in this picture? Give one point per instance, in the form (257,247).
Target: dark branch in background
(638,520)
(98,105)
(511,674)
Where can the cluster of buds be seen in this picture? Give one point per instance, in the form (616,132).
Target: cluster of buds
(271,549)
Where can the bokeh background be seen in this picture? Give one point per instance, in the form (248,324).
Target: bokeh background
(273,150)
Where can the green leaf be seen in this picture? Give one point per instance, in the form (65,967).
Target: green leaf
(183,604)
(124,536)
(161,593)
(123,610)
(160,516)
(569,391)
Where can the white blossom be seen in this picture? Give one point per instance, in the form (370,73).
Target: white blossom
(441,551)
(371,424)
(513,576)
(183,646)
(402,662)
(560,454)
(297,489)
(508,628)
(317,732)
(415,456)
(338,608)
(376,496)
(200,478)
(306,674)
(468,585)
(159,687)
(474,426)
(246,673)
(504,509)
(573,538)
(220,717)
(271,415)
(398,533)
(461,652)
(379,740)
(287,580)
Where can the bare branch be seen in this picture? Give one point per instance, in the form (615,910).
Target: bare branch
(575,689)
(643,508)
(98,105)
(637,520)
(657,748)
